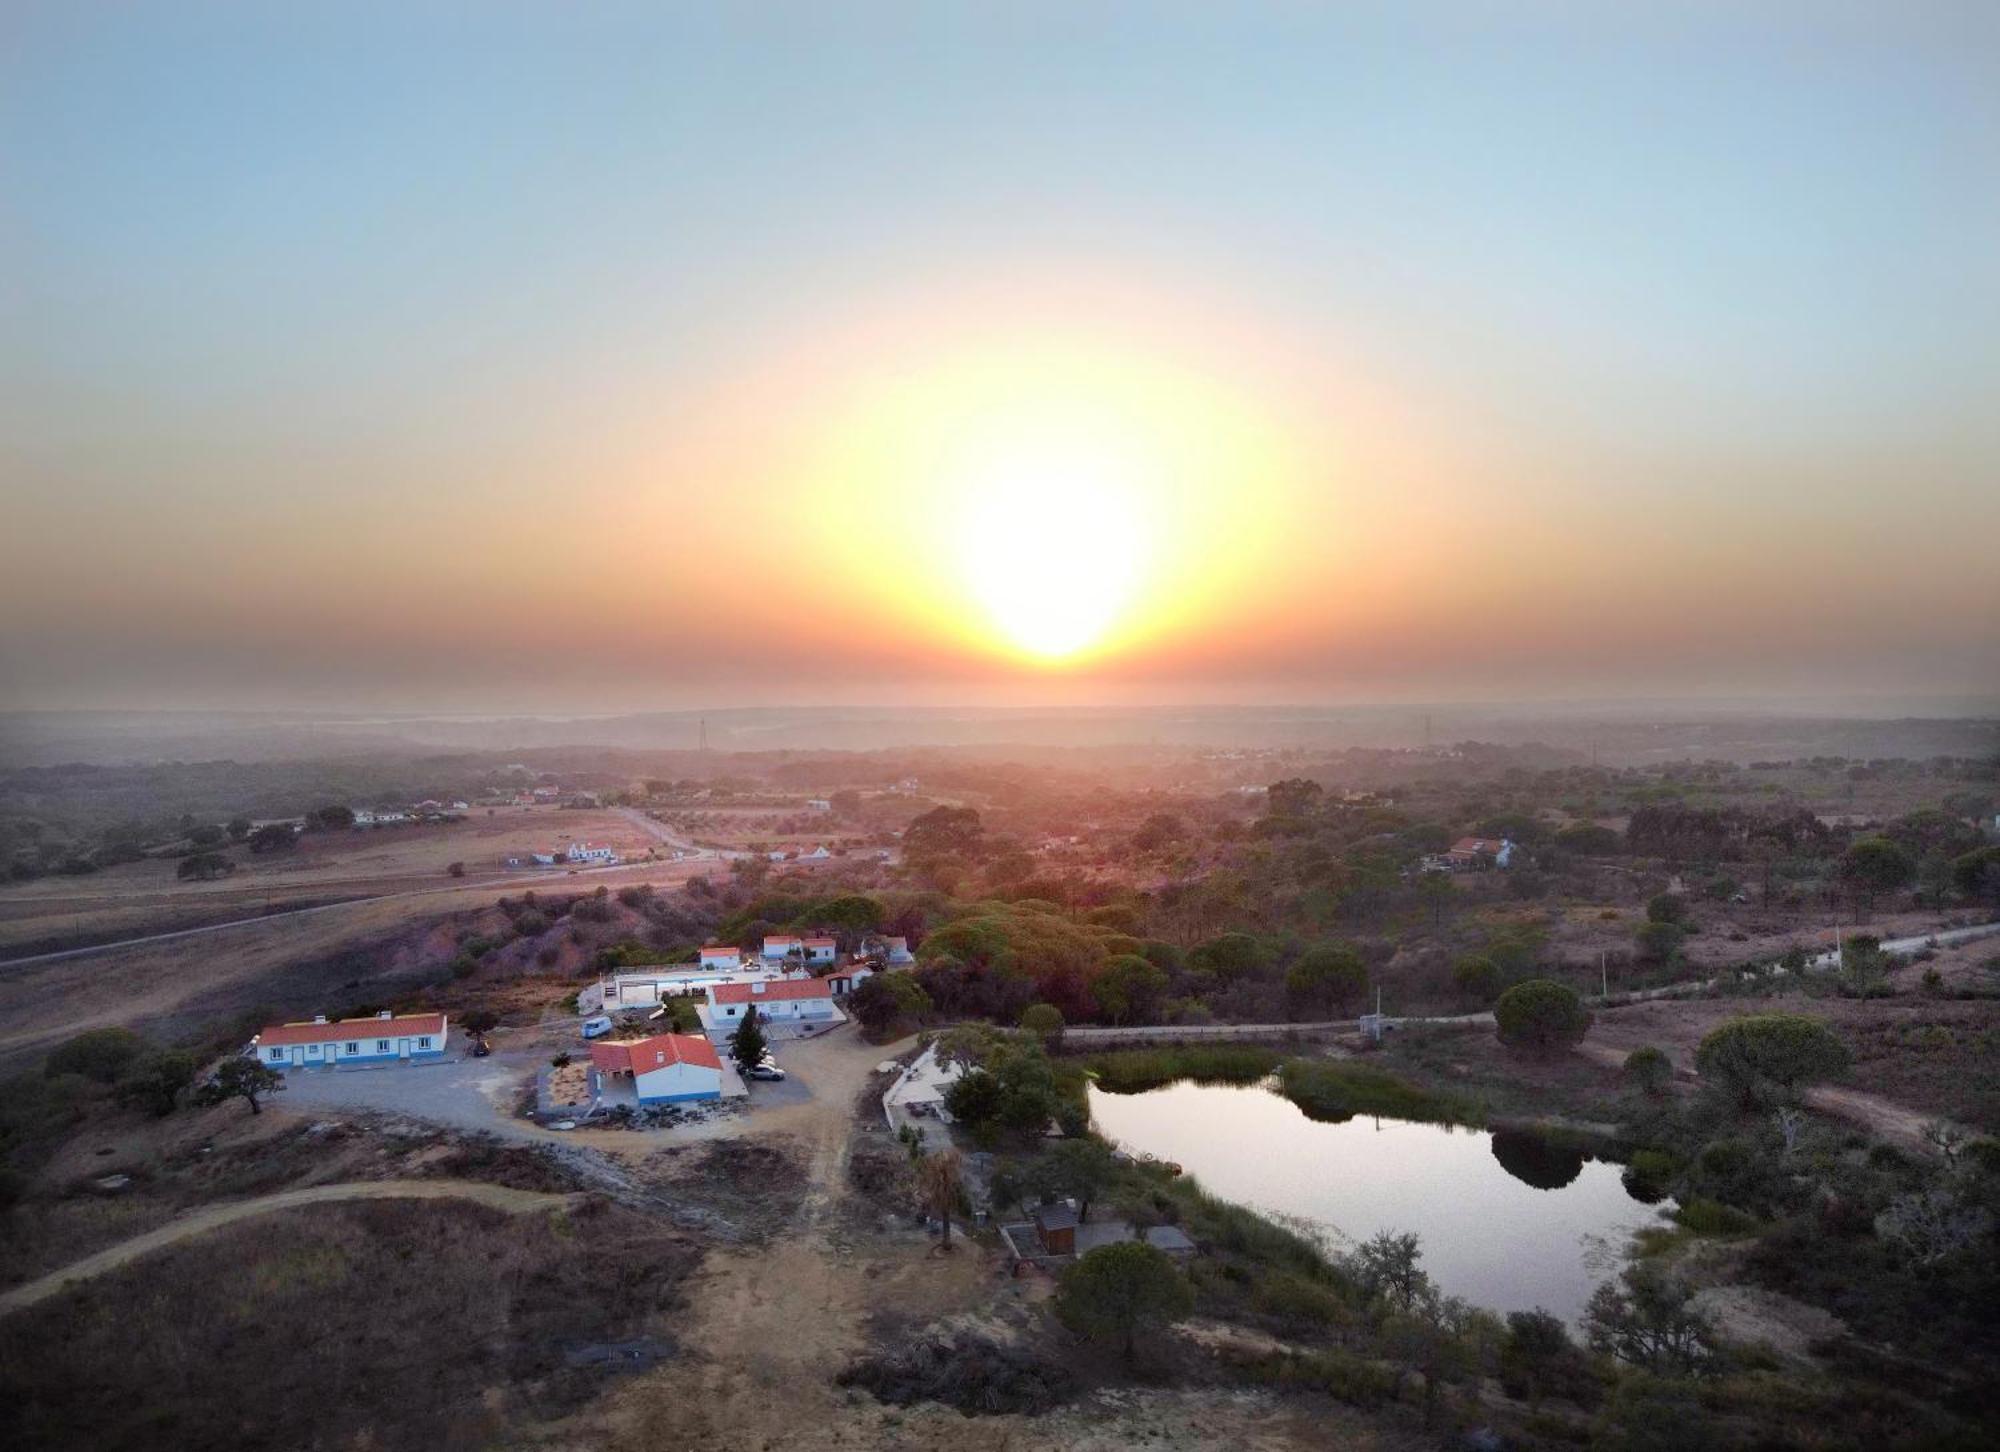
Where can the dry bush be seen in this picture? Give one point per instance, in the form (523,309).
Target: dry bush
(387,1324)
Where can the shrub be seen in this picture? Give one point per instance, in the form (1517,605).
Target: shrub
(1477,977)
(1649,1070)
(1540,1016)
(104,1055)
(1712,1217)
(1119,1290)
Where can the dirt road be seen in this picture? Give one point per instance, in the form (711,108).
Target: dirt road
(214,1217)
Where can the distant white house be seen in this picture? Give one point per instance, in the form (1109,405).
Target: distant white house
(895,951)
(846,978)
(818,854)
(779,1001)
(363,817)
(819,804)
(586,853)
(383,1039)
(543,859)
(718,955)
(781,947)
(665,1069)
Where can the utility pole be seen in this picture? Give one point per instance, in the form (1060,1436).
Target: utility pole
(704,736)
(1603,976)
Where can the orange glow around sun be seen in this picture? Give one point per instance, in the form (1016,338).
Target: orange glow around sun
(1050,500)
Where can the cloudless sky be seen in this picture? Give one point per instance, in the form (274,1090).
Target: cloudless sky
(484,355)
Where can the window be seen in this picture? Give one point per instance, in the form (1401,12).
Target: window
(423,1043)
(353,1048)
(277,1054)
(381,1046)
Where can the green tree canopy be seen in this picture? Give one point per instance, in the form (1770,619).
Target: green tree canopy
(1327,978)
(1875,865)
(1541,1016)
(1477,977)
(747,1048)
(1756,1055)
(241,1077)
(1117,1291)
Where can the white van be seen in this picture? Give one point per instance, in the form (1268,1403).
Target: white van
(597,1028)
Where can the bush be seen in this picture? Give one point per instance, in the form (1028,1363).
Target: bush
(1649,1070)
(1477,977)
(1336,1090)
(1540,1016)
(1119,1290)
(103,1055)
(1659,942)
(1712,1217)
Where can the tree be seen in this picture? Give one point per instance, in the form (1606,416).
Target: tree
(974,1099)
(1651,1323)
(1129,987)
(1295,796)
(879,1000)
(944,830)
(1436,891)
(104,1054)
(1864,967)
(1977,874)
(1668,907)
(457,869)
(239,828)
(1232,955)
(1540,1016)
(1162,829)
(274,837)
(1118,1290)
(1387,1270)
(1327,977)
(241,1077)
(1649,1070)
(1477,977)
(156,1083)
(1659,941)
(1875,865)
(1043,1020)
(1759,1053)
(1078,1168)
(748,1046)
(204,867)
(479,1022)
(331,818)
(941,1180)
(1537,1350)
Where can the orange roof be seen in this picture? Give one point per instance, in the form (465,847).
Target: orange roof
(713,948)
(1475,844)
(402,1026)
(819,942)
(643,1056)
(771,989)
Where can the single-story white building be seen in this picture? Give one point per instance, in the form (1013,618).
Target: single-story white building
(587,853)
(647,987)
(844,979)
(813,950)
(717,955)
(804,1001)
(818,804)
(383,1039)
(665,1069)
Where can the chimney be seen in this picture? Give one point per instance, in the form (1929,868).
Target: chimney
(385,1013)
(758,986)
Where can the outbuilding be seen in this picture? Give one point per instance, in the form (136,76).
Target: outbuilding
(665,1069)
(779,1001)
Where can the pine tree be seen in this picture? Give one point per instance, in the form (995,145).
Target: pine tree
(749,1044)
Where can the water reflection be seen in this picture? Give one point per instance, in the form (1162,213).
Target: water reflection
(1536,1160)
(1507,1221)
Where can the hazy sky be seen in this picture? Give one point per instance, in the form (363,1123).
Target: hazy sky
(564,357)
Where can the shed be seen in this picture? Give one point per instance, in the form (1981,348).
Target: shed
(1055,1227)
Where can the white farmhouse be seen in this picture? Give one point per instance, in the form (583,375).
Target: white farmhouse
(383,1039)
(804,1002)
(784,946)
(666,1069)
(588,855)
(724,956)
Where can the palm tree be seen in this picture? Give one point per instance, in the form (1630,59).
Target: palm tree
(942,1183)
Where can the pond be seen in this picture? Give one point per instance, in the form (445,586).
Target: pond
(1508,1221)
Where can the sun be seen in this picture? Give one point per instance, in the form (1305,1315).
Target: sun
(1052,545)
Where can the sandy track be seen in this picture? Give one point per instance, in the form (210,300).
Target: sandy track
(214,1217)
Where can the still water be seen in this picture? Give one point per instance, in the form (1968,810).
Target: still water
(1505,1223)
